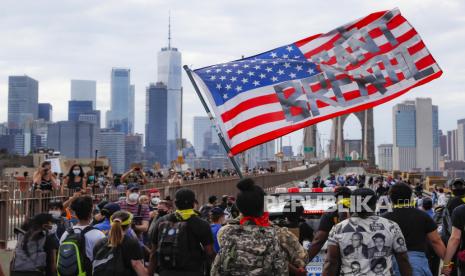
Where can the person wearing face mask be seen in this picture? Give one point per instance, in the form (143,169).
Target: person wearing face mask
(75,179)
(55,208)
(141,212)
(231,209)
(35,252)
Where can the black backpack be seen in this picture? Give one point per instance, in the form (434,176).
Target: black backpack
(173,244)
(108,261)
(72,257)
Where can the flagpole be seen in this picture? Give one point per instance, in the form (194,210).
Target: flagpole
(212,120)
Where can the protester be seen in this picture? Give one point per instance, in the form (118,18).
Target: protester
(217,219)
(135,175)
(433,258)
(56,209)
(205,209)
(107,211)
(253,235)
(330,218)
(81,234)
(230,209)
(427,206)
(452,229)
(417,227)
(35,252)
(119,254)
(75,179)
(365,241)
(458,189)
(454,261)
(182,242)
(175,180)
(44,179)
(98,217)
(141,212)
(144,200)
(442,199)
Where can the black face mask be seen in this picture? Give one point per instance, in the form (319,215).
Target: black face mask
(229,204)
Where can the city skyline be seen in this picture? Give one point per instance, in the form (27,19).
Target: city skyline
(135,47)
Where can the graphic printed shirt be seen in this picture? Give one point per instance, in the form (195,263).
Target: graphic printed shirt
(367,245)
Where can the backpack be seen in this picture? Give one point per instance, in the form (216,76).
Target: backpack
(108,261)
(72,257)
(248,250)
(445,229)
(35,259)
(173,244)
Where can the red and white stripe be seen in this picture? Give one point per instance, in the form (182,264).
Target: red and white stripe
(255,117)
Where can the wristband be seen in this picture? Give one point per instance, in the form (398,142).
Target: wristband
(448,264)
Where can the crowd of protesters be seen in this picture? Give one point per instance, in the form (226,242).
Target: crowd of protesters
(145,234)
(76,178)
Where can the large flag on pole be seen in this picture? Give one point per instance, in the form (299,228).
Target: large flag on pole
(354,67)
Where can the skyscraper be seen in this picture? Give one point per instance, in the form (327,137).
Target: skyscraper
(73,139)
(442,143)
(133,149)
(23,106)
(204,135)
(45,112)
(112,146)
(461,139)
(119,118)
(132,106)
(263,152)
(169,72)
(385,157)
(84,90)
(452,145)
(416,135)
(156,142)
(76,108)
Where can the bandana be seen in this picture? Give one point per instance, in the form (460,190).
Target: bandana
(128,221)
(186,214)
(260,221)
(345,202)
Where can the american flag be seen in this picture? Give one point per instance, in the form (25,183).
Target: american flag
(351,68)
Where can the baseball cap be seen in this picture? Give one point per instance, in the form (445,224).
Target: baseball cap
(217,211)
(110,208)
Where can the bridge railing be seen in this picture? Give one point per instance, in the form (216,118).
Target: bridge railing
(17,204)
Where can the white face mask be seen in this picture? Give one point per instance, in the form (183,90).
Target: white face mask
(133,197)
(53,230)
(76,172)
(55,213)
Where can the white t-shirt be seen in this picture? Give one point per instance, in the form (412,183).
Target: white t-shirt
(442,199)
(92,237)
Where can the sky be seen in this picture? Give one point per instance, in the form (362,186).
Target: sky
(56,41)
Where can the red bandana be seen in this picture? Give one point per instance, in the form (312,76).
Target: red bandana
(260,221)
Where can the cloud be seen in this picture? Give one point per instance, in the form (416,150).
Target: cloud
(55,42)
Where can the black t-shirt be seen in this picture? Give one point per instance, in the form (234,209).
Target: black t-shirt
(454,202)
(51,243)
(131,251)
(415,225)
(199,235)
(458,221)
